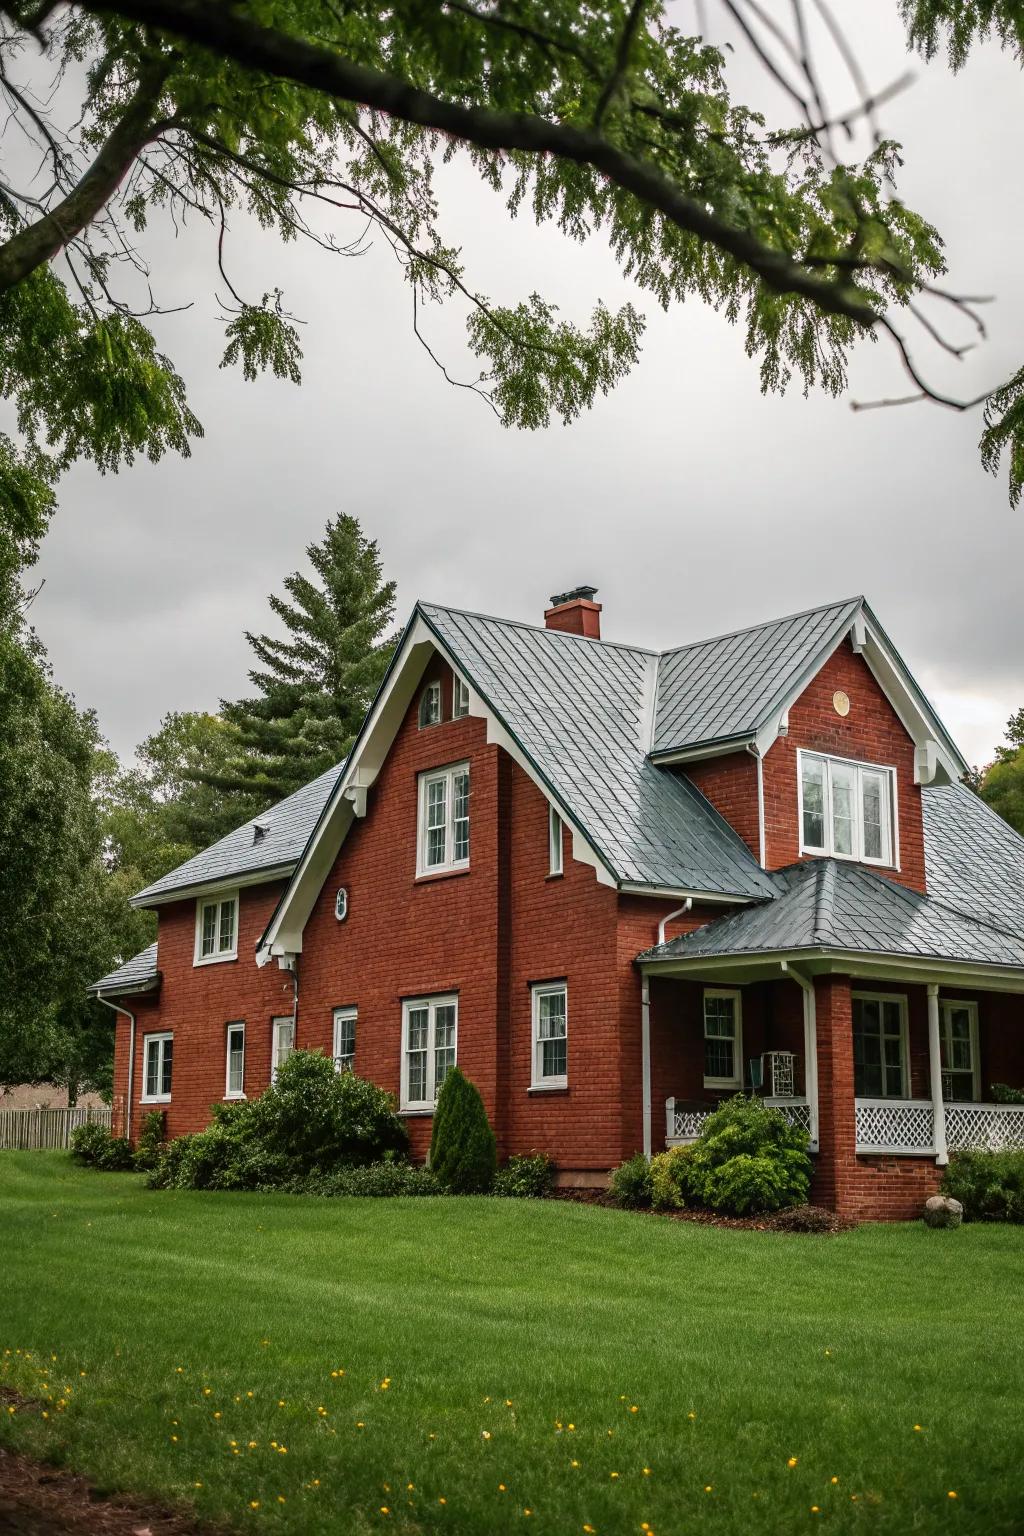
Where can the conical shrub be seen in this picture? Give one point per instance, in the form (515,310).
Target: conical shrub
(463,1152)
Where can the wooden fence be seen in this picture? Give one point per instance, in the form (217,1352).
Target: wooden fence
(26,1130)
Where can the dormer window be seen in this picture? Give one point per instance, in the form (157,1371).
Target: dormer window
(430,705)
(846,809)
(460,698)
(216,928)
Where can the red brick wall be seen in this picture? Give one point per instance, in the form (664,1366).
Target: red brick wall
(871,732)
(730,783)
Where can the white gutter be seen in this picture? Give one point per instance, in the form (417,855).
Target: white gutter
(131,1061)
(759,760)
(810,1047)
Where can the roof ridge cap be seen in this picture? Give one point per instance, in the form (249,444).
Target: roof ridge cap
(540,629)
(746,629)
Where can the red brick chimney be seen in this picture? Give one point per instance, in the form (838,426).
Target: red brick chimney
(575,613)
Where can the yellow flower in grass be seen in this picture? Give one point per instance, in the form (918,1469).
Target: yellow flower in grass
(634,1408)
(647,1471)
(485,1434)
(952,1494)
(917,1429)
(217,1414)
(442,1501)
(501,1488)
(589,1530)
(207,1391)
(574,1463)
(708,1487)
(384,1510)
(254,1503)
(280,1498)
(835,1480)
(792,1461)
(613,1475)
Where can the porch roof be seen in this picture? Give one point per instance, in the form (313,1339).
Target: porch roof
(139,974)
(827,905)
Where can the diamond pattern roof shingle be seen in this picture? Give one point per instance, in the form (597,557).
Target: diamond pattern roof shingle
(579,710)
(974,860)
(826,904)
(729,686)
(288,825)
(141,968)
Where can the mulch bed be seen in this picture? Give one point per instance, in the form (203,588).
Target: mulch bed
(811,1219)
(39,1500)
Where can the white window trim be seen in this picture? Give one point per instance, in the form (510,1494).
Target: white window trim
(901,999)
(432,691)
(736,1081)
(890,775)
(430,777)
(218,899)
(431,1004)
(460,698)
(275,1048)
(342,1016)
(556,856)
(537,1080)
(948,1003)
(237,1026)
(147,1041)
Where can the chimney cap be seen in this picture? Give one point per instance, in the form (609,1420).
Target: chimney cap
(586,593)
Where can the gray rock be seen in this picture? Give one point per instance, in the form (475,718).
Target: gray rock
(942,1211)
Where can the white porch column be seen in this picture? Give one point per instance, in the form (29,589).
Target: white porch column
(810,1048)
(645,1050)
(935,1062)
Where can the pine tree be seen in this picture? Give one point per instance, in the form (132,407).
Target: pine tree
(463,1152)
(315,685)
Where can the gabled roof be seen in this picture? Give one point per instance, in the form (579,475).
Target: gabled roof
(579,711)
(974,860)
(726,688)
(240,855)
(830,905)
(139,974)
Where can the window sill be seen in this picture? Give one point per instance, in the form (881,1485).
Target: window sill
(417,1114)
(429,876)
(234,1098)
(723,1084)
(849,858)
(161,1098)
(215,959)
(548,1088)
(554,874)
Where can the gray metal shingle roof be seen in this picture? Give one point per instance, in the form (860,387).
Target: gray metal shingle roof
(131,976)
(974,860)
(826,904)
(729,686)
(288,825)
(578,708)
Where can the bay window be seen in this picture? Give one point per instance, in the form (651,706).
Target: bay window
(846,809)
(157,1055)
(880,1046)
(443,833)
(429,1028)
(550,1030)
(723,1038)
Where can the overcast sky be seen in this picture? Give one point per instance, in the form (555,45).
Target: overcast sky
(693,503)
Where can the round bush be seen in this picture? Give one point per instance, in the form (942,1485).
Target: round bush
(668,1178)
(989,1185)
(747,1159)
(463,1151)
(93,1146)
(630,1183)
(525,1177)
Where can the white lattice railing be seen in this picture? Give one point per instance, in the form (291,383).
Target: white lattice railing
(895,1125)
(993,1126)
(684,1122)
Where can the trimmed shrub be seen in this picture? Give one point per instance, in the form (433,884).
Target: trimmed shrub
(1002,1093)
(463,1151)
(748,1159)
(668,1178)
(631,1183)
(93,1146)
(525,1178)
(989,1185)
(150,1142)
(375,1181)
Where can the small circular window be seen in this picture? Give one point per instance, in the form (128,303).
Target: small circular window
(341,904)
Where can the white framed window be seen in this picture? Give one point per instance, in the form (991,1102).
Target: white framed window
(282,1043)
(723,1038)
(430,704)
(847,809)
(554,842)
(958,1049)
(234,1071)
(429,1031)
(345,1039)
(443,834)
(216,928)
(880,1060)
(157,1055)
(460,698)
(550,1035)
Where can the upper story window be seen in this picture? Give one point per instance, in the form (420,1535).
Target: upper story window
(157,1056)
(460,698)
(550,1035)
(846,809)
(723,1038)
(216,928)
(282,1043)
(234,1083)
(554,842)
(430,704)
(429,1028)
(345,1039)
(880,1046)
(443,833)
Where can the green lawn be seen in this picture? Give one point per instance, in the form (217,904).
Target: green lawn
(450,1366)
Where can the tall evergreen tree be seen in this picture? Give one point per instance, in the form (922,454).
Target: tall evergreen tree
(314,685)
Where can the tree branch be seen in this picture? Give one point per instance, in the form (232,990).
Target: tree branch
(220,27)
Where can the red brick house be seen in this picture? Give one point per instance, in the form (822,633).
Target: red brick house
(616,885)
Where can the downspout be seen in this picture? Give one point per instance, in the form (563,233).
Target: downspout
(645,1052)
(131,1061)
(810,1048)
(679,912)
(759,760)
